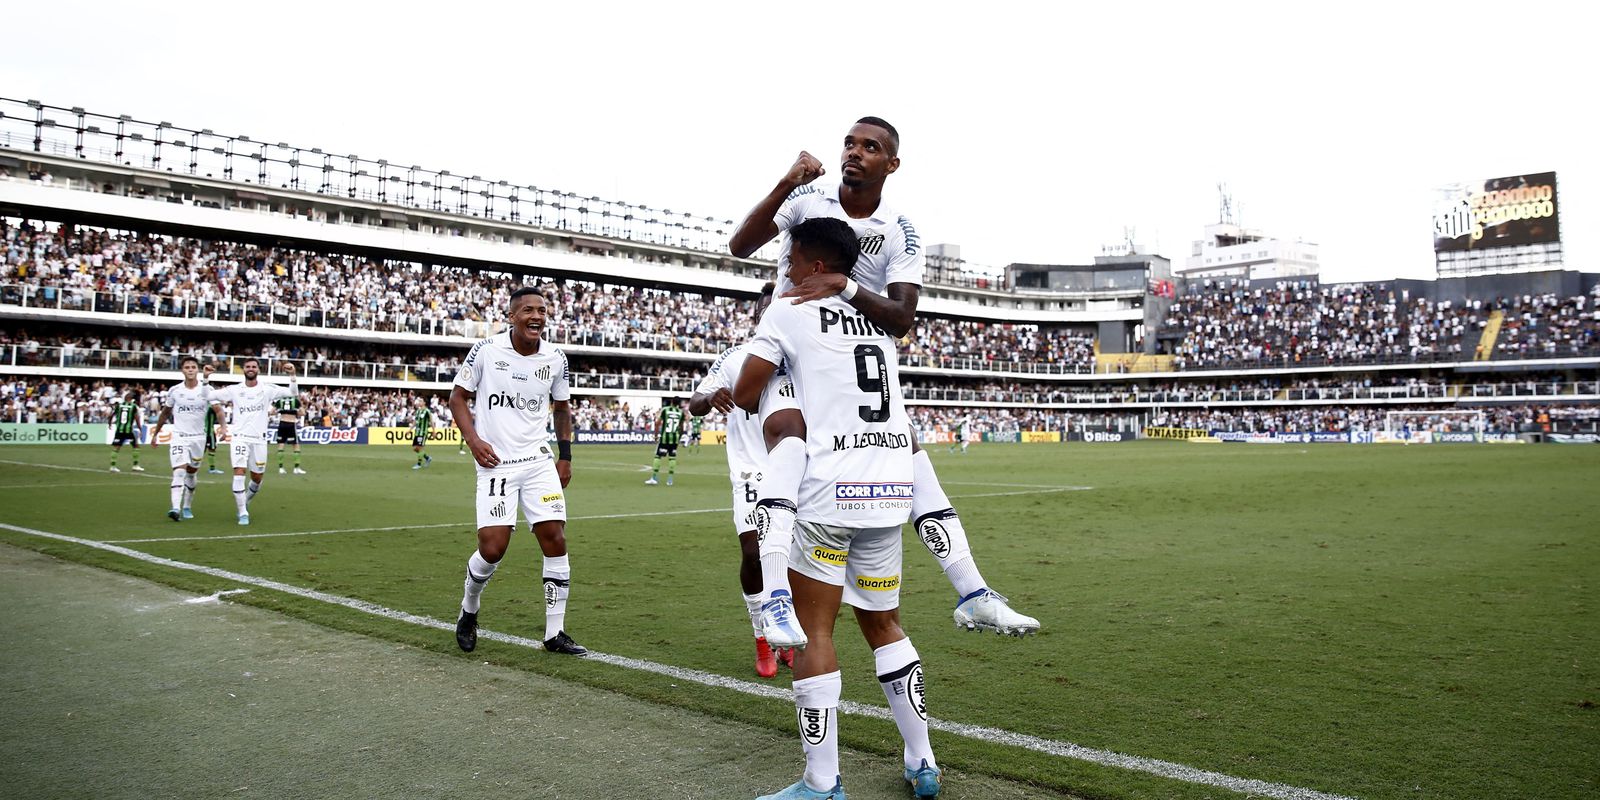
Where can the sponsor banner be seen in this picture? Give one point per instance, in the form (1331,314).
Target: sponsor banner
(1263,438)
(316,434)
(615,437)
(935,437)
(1330,437)
(709,436)
(1392,437)
(402,436)
(53,433)
(1003,436)
(1456,437)
(1041,436)
(1574,438)
(1099,437)
(1175,433)
(1363,437)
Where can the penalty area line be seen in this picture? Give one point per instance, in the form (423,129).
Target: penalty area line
(1165,769)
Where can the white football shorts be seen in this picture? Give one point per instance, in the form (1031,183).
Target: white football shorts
(185,451)
(536,489)
(865,561)
(778,396)
(250,456)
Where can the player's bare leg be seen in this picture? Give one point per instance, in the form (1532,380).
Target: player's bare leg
(557,584)
(899,671)
(492,543)
(750,583)
(817,682)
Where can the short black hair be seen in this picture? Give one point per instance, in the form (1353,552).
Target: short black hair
(768,288)
(187,359)
(830,240)
(894,135)
(524,292)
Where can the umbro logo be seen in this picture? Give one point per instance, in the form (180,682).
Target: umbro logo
(501,365)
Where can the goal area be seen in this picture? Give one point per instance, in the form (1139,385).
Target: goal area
(1421,426)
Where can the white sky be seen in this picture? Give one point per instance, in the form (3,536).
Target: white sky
(1031,132)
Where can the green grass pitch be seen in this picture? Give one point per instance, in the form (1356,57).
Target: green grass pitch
(1374,622)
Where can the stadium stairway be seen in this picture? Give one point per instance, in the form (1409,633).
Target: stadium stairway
(1132,362)
(1491,334)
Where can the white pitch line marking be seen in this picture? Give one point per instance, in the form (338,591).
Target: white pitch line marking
(228,537)
(215,597)
(162,476)
(1165,769)
(72,485)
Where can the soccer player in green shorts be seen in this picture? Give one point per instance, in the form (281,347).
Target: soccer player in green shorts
(125,421)
(694,432)
(421,422)
(288,409)
(669,429)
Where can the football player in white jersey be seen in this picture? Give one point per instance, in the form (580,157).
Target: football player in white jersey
(857,492)
(747,456)
(186,405)
(505,389)
(884,286)
(252,401)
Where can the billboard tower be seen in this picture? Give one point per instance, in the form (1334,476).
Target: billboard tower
(1499,225)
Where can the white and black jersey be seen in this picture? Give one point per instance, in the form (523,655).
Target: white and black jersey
(858,439)
(189,408)
(251,407)
(511,409)
(747,447)
(891,251)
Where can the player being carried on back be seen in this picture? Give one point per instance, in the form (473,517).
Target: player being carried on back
(856,493)
(884,287)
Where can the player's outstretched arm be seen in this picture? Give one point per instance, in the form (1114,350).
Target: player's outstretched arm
(461,412)
(753,379)
(895,313)
(760,226)
(561,414)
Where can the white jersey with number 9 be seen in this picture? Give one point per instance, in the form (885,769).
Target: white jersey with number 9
(858,438)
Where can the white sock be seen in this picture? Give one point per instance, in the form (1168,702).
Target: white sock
(557,583)
(178,485)
(775,527)
(940,529)
(816,701)
(190,479)
(250,491)
(752,606)
(479,572)
(775,510)
(900,675)
(239,498)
